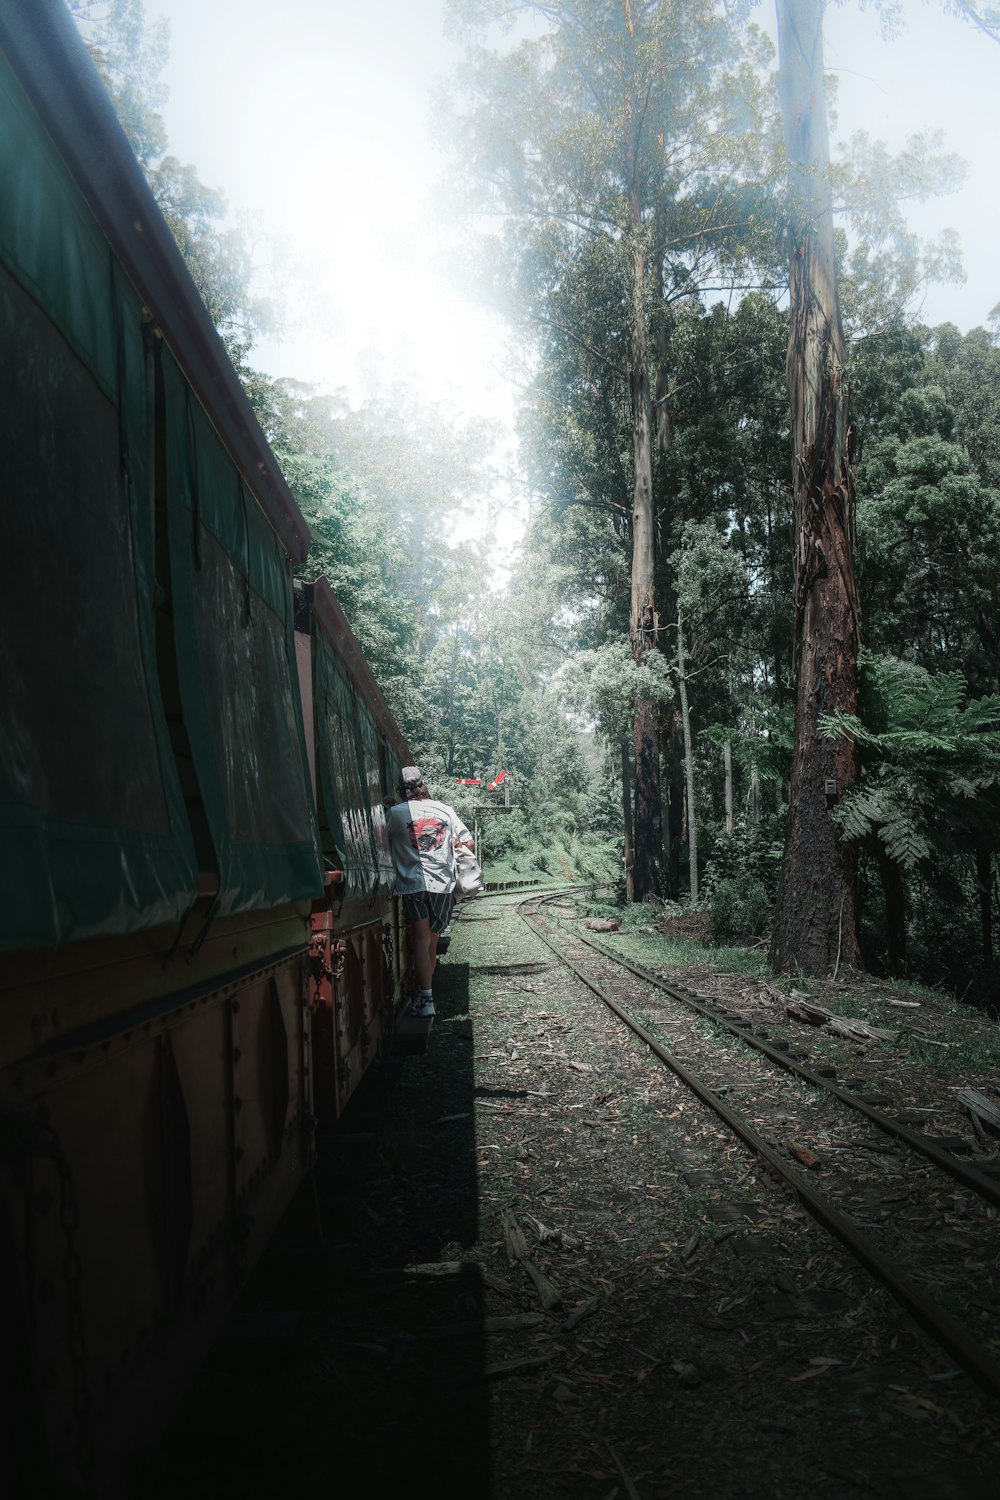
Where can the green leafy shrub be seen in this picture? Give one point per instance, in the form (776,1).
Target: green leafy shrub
(752,854)
(741,909)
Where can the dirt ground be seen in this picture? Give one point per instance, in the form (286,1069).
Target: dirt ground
(549,1271)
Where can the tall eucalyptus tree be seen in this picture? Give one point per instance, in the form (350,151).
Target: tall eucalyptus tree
(605,132)
(815,924)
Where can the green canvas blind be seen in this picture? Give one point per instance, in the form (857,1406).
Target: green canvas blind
(371,768)
(342,784)
(93,834)
(233,623)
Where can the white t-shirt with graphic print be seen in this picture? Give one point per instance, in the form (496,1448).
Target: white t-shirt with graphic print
(422,837)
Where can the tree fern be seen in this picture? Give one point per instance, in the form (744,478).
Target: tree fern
(930,764)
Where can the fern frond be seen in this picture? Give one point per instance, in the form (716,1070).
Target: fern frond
(982,715)
(839,726)
(904,843)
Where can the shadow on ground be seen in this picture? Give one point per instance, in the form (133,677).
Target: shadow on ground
(339,1366)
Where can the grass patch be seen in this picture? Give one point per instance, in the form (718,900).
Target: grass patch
(654,950)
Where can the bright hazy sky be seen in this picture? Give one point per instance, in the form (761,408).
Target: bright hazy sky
(313,116)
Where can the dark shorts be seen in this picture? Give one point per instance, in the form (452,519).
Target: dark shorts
(437,905)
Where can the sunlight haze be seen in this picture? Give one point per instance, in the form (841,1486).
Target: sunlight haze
(313,118)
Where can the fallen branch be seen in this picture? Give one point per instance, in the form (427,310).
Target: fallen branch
(440,1270)
(517,1245)
(517,1251)
(547,1294)
(578,1315)
(983,1111)
(813,1014)
(477,1327)
(512,1366)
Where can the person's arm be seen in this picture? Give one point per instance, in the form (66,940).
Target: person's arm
(460,834)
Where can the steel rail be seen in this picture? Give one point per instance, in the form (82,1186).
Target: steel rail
(539,891)
(945,1161)
(943,1328)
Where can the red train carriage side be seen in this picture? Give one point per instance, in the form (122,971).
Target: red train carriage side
(162,862)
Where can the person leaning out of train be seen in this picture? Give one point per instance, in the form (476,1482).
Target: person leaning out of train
(423,835)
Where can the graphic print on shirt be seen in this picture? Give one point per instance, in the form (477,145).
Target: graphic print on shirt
(427,834)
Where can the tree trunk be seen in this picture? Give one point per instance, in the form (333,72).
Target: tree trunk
(451,706)
(779,689)
(647,830)
(754,795)
(815,925)
(727,758)
(673,803)
(627,820)
(895,914)
(692,822)
(642,617)
(984,885)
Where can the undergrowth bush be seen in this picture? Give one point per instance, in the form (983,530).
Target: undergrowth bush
(741,880)
(752,852)
(741,909)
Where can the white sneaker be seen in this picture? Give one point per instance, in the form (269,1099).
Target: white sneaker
(422,1005)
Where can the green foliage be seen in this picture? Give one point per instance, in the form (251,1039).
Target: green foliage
(761,741)
(944,934)
(381,486)
(751,854)
(604,685)
(929,540)
(741,909)
(967,368)
(887,264)
(712,587)
(985,17)
(130,54)
(607,142)
(930,783)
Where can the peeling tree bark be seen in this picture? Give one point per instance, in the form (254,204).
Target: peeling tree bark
(815,925)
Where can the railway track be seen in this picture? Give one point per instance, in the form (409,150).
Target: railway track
(889,1194)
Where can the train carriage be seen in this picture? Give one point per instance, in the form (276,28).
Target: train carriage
(195,889)
(357,953)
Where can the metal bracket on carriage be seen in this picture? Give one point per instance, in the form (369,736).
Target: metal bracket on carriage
(321,976)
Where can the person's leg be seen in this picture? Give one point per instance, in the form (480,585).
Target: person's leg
(421,951)
(442,905)
(432,949)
